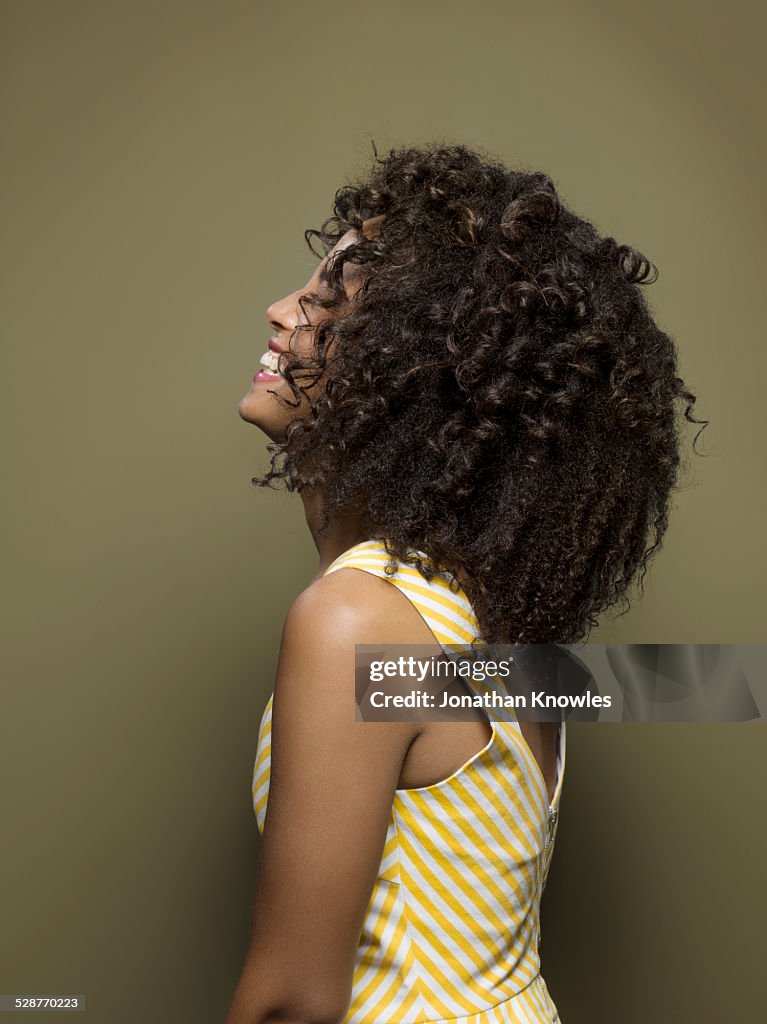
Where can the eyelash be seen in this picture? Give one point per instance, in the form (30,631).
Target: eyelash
(324,279)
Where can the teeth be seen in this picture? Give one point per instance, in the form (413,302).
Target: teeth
(271,361)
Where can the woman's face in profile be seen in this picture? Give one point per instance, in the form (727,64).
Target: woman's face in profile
(260,406)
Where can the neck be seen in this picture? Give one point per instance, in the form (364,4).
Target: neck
(343,530)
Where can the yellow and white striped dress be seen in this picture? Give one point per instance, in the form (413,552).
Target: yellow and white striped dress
(452,930)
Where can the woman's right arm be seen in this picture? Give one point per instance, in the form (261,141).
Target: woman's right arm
(332,785)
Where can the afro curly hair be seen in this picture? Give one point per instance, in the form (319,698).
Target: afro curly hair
(496,395)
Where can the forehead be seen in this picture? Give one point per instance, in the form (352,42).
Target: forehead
(351,236)
(370,229)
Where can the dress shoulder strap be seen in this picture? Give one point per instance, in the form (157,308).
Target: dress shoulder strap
(440,601)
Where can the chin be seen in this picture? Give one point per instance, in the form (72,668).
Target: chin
(253,408)
(263,411)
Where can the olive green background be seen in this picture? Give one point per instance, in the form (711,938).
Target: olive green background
(160,162)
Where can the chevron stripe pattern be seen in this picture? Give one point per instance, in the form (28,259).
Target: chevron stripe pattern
(452,930)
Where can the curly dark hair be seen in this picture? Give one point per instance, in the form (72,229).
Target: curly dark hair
(496,395)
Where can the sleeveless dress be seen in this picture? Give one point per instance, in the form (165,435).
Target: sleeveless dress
(452,930)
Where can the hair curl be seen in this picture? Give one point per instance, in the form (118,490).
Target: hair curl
(496,395)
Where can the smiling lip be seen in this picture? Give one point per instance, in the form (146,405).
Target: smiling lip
(264,375)
(274,347)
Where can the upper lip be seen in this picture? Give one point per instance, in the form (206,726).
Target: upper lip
(274,347)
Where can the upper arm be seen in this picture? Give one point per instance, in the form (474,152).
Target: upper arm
(331,790)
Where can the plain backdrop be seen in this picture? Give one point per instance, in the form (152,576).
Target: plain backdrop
(160,162)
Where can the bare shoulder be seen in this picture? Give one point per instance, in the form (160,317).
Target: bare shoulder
(317,664)
(353,606)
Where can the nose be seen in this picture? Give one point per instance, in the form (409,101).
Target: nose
(283,315)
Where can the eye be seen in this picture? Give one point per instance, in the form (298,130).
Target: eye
(324,276)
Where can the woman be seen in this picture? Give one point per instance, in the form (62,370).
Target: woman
(479,414)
